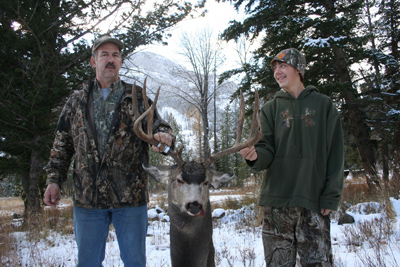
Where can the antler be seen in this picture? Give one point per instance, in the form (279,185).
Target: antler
(255,131)
(137,126)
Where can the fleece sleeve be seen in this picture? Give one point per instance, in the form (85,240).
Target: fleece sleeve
(332,192)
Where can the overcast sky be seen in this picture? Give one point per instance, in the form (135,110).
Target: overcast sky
(217,19)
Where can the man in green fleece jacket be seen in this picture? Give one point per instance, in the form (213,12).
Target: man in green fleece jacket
(302,149)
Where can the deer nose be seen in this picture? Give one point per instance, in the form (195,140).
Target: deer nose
(194,207)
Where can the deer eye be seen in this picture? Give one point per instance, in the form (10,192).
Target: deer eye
(205,183)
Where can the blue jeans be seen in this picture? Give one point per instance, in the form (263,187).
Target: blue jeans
(91,228)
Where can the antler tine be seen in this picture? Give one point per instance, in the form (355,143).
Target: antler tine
(137,126)
(254,136)
(255,130)
(240,120)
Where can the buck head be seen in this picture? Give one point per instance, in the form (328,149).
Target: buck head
(190,181)
(189,184)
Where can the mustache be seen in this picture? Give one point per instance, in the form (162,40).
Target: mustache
(110,64)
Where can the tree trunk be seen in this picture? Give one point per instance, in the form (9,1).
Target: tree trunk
(215,112)
(385,161)
(32,199)
(396,155)
(358,126)
(206,145)
(204,103)
(356,116)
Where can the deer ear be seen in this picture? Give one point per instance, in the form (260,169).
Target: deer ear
(159,173)
(218,178)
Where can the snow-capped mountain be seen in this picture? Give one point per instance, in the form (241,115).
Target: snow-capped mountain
(175,84)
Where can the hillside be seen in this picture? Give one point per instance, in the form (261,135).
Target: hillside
(172,78)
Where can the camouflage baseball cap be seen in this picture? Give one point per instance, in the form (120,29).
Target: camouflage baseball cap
(292,57)
(107,39)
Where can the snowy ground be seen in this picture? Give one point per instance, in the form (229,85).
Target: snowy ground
(236,242)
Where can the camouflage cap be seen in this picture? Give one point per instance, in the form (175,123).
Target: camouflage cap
(292,57)
(107,39)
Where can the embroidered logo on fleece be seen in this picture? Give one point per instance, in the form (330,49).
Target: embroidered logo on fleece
(308,114)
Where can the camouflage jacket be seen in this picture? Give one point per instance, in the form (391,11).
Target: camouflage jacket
(115,180)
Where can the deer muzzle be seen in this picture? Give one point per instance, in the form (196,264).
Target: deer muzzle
(195,209)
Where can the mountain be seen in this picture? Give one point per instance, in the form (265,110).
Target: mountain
(173,80)
(159,71)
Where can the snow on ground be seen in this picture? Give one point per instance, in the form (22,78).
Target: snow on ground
(236,242)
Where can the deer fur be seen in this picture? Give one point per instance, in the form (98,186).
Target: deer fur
(189,210)
(188,196)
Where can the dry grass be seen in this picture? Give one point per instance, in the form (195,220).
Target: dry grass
(160,200)
(234,202)
(10,209)
(11,205)
(374,234)
(355,193)
(248,197)
(6,237)
(230,191)
(374,242)
(58,220)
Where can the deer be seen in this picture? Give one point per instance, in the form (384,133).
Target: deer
(189,208)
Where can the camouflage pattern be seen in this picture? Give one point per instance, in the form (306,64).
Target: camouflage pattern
(107,39)
(292,57)
(104,111)
(116,179)
(289,231)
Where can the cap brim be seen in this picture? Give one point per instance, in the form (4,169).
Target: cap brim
(117,42)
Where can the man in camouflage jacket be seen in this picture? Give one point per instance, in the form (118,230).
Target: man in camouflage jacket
(96,129)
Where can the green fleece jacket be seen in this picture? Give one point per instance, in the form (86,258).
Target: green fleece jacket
(302,149)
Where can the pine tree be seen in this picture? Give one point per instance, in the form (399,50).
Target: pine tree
(227,140)
(46,52)
(389,57)
(328,33)
(180,142)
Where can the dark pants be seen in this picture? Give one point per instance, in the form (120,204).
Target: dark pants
(290,231)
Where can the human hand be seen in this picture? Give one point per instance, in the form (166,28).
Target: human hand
(165,142)
(52,195)
(249,153)
(325,212)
